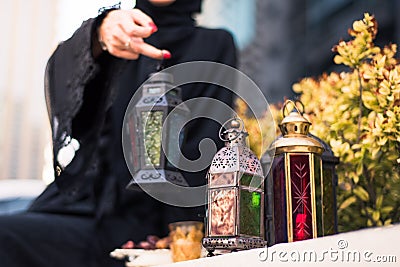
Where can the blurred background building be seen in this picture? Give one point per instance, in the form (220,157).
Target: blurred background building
(28,33)
(31,31)
(280,42)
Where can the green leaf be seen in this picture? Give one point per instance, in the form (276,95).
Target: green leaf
(387,209)
(361,193)
(379,200)
(388,221)
(347,202)
(369,100)
(376,215)
(360,168)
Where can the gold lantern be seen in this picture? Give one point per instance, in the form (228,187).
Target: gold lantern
(296,203)
(235,192)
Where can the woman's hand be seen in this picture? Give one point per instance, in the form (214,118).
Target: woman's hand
(121,33)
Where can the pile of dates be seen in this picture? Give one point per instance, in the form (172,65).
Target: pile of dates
(152,242)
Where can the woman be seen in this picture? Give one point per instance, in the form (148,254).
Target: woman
(90,78)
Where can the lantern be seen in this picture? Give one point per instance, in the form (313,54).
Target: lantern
(301,196)
(235,195)
(147,126)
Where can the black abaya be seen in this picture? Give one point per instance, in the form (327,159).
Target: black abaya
(87,212)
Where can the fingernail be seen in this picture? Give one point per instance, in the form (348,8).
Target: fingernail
(166,55)
(153,27)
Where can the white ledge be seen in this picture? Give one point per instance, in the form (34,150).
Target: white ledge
(368,247)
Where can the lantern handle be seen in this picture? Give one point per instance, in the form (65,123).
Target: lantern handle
(228,121)
(295,104)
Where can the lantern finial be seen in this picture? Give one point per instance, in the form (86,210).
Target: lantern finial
(236,134)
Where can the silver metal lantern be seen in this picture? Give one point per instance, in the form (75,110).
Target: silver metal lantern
(150,157)
(235,195)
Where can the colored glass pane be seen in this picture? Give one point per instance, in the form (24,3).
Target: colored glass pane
(152,124)
(301,197)
(222,212)
(250,212)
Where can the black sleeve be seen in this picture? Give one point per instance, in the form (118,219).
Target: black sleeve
(79,89)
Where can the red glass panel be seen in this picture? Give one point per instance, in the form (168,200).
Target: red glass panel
(301,197)
(222,212)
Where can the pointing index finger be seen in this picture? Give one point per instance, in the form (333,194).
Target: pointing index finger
(153,52)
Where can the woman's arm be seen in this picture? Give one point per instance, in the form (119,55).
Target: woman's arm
(78,88)
(80,81)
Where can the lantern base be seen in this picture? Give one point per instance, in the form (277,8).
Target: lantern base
(232,243)
(156,179)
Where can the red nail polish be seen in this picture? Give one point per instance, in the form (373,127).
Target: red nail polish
(153,27)
(166,55)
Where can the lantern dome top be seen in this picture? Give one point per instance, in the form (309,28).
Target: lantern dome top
(295,133)
(236,156)
(294,123)
(236,159)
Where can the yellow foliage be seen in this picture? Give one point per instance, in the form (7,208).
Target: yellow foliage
(357,112)
(262,130)
(367,140)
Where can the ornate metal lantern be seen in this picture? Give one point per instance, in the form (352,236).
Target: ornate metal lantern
(147,125)
(235,195)
(301,196)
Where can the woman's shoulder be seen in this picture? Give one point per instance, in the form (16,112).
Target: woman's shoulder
(216,33)
(219,41)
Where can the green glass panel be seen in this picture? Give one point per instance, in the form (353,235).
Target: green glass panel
(256,200)
(249,179)
(175,139)
(318,194)
(250,213)
(152,123)
(328,200)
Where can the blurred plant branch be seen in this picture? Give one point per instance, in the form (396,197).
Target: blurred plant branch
(357,112)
